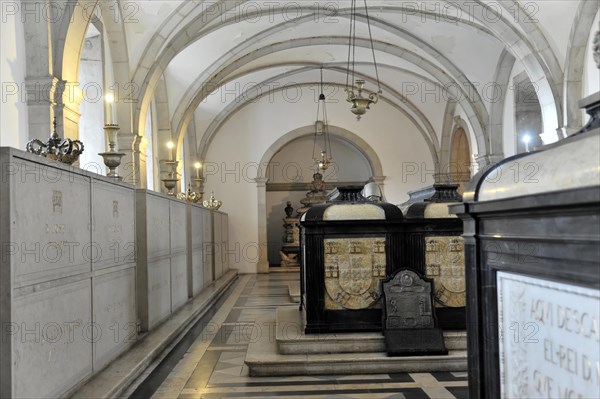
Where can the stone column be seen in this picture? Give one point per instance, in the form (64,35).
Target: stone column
(133,168)
(49,97)
(263,261)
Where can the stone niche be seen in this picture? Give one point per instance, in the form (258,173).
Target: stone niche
(67,274)
(532,257)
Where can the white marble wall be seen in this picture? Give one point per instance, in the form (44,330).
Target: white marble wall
(196,253)
(67,274)
(208,248)
(86,264)
(225,248)
(218,244)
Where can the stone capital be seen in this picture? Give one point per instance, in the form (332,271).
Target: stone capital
(261,182)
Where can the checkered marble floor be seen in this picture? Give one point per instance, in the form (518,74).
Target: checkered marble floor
(213,367)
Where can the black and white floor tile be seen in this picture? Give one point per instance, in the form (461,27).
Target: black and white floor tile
(213,366)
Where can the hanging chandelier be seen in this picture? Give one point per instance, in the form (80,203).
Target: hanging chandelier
(322,133)
(354,88)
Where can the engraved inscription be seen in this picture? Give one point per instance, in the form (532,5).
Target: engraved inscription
(57,203)
(445,264)
(115,209)
(408,302)
(353,269)
(549,334)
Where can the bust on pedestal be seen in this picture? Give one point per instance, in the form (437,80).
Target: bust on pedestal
(291,239)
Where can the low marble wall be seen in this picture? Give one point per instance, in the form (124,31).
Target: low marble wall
(67,274)
(86,264)
(208,248)
(198,278)
(163,257)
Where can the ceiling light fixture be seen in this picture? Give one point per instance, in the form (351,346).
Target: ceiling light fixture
(322,130)
(360,103)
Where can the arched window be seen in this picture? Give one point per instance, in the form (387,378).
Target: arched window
(528,114)
(92,84)
(460,159)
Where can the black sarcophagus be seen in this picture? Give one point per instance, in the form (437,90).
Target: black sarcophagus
(432,243)
(532,228)
(349,245)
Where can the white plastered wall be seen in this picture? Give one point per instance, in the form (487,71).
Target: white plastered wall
(13,109)
(234,154)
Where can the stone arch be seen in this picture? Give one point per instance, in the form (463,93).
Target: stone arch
(343,134)
(231,61)
(212,77)
(578,42)
(261,180)
(460,158)
(234,107)
(169,44)
(67,38)
(502,79)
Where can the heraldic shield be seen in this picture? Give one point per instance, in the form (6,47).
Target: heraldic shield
(353,269)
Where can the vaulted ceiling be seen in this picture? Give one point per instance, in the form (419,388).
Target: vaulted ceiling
(215,56)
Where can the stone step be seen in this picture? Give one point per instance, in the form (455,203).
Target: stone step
(291,339)
(295,291)
(264,359)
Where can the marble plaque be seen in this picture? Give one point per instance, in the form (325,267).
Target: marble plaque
(53,335)
(549,338)
(207,247)
(178,214)
(218,233)
(114,315)
(353,270)
(157,219)
(409,324)
(445,264)
(207,260)
(179,283)
(159,291)
(197,272)
(113,225)
(197,228)
(50,226)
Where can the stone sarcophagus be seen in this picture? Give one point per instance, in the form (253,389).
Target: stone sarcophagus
(533,261)
(348,246)
(433,244)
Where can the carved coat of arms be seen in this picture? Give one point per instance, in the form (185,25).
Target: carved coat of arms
(353,268)
(445,264)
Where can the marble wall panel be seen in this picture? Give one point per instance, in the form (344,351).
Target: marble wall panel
(159,291)
(197,271)
(196,250)
(50,223)
(177,212)
(179,281)
(52,348)
(218,244)
(114,315)
(208,248)
(157,232)
(225,242)
(197,226)
(113,224)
